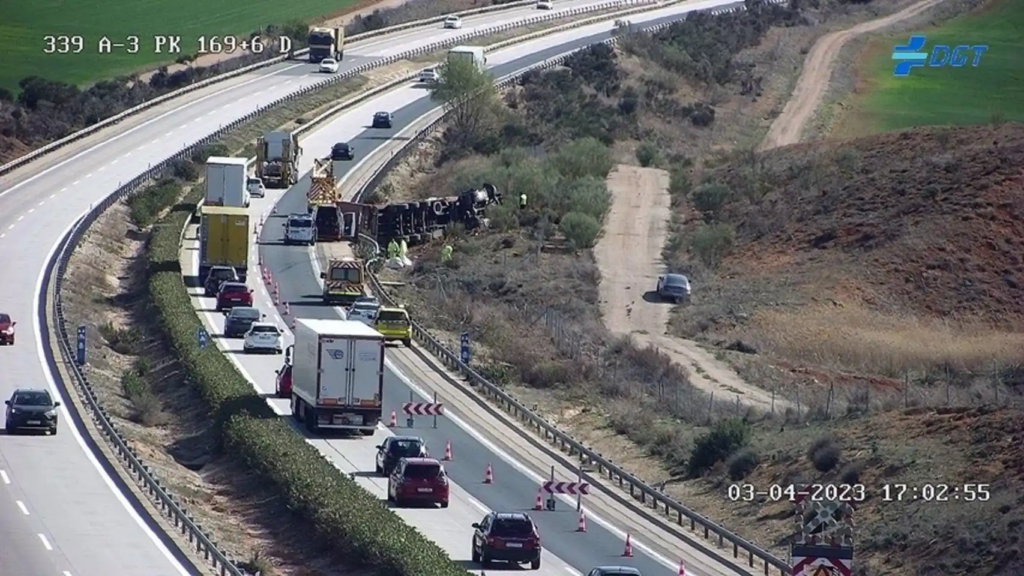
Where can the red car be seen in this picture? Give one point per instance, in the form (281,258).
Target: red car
(6,329)
(418,480)
(233,294)
(506,537)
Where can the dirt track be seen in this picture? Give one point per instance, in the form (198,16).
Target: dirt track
(629,257)
(810,88)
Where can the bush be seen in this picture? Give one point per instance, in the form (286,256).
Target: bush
(716,446)
(711,243)
(588,196)
(338,509)
(580,229)
(148,204)
(742,463)
(824,453)
(710,197)
(582,158)
(679,182)
(648,154)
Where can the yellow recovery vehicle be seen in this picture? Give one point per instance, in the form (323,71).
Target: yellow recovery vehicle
(394,324)
(344,281)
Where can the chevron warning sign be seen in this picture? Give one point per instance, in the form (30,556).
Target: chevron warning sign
(423,409)
(566,487)
(810,566)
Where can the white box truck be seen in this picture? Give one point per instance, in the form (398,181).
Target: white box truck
(474,54)
(226,182)
(337,375)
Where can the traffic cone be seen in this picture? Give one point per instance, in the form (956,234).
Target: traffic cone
(538,504)
(287,310)
(489,474)
(448,451)
(628,552)
(394,420)
(581,524)
(682,569)
(277,294)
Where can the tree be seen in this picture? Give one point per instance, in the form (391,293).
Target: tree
(469,97)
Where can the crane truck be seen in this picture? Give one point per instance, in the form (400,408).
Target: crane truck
(277,159)
(326,43)
(337,375)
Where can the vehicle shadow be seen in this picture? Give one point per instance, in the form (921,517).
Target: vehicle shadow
(365,474)
(471,566)
(651,297)
(192,281)
(385,138)
(306,303)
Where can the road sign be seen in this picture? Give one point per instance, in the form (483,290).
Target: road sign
(464,347)
(203,337)
(566,487)
(80,356)
(423,409)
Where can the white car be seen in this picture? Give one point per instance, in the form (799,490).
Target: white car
(365,312)
(429,76)
(264,337)
(453,22)
(545,5)
(300,229)
(329,65)
(256,188)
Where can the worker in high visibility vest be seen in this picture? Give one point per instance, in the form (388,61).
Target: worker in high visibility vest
(403,248)
(446,253)
(392,249)
(522,201)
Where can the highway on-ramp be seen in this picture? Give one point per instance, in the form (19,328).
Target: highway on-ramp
(297,275)
(62,508)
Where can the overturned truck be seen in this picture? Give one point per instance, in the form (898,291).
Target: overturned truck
(417,222)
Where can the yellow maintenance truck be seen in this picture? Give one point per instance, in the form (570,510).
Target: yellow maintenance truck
(224,239)
(394,324)
(344,281)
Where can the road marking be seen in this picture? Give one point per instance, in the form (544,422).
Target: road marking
(54,195)
(46,543)
(5,477)
(75,183)
(155,141)
(66,573)
(41,202)
(568,569)
(2,235)
(102,168)
(126,154)
(114,161)
(11,227)
(478,505)
(30,210)
(168,134)
(87,176)
(20,218)
(21,506)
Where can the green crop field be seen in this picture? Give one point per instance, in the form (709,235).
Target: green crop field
(994,91)
(23,26)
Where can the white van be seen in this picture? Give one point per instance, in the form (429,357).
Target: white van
(300,229)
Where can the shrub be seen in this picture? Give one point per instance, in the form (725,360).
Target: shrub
(679,183)
(711,243)
(717,445)
(742,463)
(582,158)
(648,154)
(824,453)
(580,229)
(148,204)
(588,196)
(338,509)
(710,197)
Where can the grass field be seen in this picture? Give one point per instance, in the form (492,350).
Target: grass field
(936,96)
(24,25)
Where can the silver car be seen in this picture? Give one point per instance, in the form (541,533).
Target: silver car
(614,571)
(673,287)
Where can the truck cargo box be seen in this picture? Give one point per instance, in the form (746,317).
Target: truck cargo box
(225,182)
(224,239)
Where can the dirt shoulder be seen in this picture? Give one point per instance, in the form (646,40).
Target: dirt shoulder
(628,256)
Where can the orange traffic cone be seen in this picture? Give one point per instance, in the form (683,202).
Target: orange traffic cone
(287,310)
(538,504)
(628,552)
(581,525)
(394,420)
(682,569)
(489,474)
(448,451)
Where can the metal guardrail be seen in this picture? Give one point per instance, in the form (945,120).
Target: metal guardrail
(639,490)
(143,475)
(35,154)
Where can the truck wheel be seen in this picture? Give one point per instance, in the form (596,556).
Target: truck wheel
(475,556)
(535,564)
(311,423)
(407,342)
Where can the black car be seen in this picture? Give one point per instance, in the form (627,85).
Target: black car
(31,409)
(239,320)
(217,276)
(383,120)
(342,151)
(506,537)
(395,448)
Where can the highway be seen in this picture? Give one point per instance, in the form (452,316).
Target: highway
(63,510)
(296,272)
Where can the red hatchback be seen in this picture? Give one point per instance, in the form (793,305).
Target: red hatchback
(418,480)
(233,294)
(6,329)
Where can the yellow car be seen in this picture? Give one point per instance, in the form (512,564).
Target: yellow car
(394,324)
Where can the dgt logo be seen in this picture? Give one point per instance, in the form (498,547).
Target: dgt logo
(912,56)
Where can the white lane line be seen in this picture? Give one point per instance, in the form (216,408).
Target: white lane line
(20,218)
(126,154)
(114,161)
(568,569)
(5,477)
(87,176)
(66,573)
(62,190)
(102,168)
(4,234)
(54,195)
(168,134)
(46,543)
(155,141)
(478,505)
(11,227)
(21,506)
(41,202)
(30,210)
(75,183)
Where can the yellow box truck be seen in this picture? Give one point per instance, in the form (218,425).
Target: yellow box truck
(224,239)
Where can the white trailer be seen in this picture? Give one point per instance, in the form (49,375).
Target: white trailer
(474,54)
(226,182)
(337,375)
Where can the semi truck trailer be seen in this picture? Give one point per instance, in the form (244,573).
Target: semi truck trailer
(337,375)
(224,239)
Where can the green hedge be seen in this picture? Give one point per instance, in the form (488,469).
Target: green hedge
(343,514)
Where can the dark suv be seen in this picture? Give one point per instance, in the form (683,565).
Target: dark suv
(395,448)
(239,320)
(31,409)
(342,151)
(233,294)
(217,276)
(420,481)
(383,120)
(507,537)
